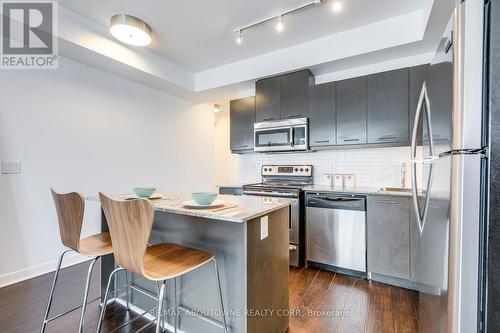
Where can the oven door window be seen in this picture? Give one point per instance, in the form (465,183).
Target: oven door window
(273,138)
(299,136)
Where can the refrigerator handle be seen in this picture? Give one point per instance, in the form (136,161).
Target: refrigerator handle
(421,218)
(424,98)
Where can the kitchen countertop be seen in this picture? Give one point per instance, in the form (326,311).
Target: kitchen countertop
(238,209)
(363,190)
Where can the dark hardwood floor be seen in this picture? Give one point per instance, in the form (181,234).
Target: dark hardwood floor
(322,302)
(335,303)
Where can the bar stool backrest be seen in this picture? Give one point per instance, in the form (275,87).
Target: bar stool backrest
(130,223)
(70,208)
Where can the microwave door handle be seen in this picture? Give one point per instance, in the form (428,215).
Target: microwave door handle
(291,137)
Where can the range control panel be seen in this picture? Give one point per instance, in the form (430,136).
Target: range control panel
(287,170)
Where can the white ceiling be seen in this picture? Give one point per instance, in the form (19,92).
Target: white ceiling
(198,34)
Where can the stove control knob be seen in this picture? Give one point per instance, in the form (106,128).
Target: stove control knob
(265,169)
(296,169)
(270,169)
(307,170)
(301,170)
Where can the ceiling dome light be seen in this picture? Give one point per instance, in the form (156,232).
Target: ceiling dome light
(279,25)
(239,39)
(337,6)
(130,30)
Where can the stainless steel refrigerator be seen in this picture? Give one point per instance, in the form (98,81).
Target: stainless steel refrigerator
(448,162)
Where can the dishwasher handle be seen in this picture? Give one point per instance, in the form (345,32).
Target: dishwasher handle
(336,202)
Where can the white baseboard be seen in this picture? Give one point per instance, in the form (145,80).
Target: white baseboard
(70,259)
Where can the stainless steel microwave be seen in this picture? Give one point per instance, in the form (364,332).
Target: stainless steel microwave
(281,135)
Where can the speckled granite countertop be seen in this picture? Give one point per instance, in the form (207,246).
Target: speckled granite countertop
(237,209)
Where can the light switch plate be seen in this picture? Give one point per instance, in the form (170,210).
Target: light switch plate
(264,227)
(11,167)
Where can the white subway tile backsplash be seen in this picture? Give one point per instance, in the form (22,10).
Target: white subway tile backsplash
(371,167)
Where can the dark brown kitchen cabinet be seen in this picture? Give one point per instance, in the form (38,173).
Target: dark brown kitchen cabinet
(322,115)
(351,111)
(388,236)
(387,107)
(241,119)
(268,99)
(295,94)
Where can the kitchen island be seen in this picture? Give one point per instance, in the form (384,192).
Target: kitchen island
(249,237)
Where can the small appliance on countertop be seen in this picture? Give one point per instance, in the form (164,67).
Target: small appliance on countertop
(287,181)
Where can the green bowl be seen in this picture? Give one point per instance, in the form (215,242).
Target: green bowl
(144,192)
(204,198)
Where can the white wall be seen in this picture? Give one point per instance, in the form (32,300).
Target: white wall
(81,129)
(226,170)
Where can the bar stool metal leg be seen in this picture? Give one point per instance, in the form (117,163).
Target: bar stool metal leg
(158,286)
(127,283)
(86,294)
(104,303)
(176,308)
(51,295)
(220,295)
(161,301)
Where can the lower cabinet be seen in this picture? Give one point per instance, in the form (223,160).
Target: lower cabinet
(388,236)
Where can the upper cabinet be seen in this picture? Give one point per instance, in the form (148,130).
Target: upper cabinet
(374,110)
(322,115)
(268,99)
(295,94)
(283,97)
(387,107)
(242,118)
(351,111)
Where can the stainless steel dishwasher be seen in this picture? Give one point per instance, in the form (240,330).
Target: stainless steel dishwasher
(336,232)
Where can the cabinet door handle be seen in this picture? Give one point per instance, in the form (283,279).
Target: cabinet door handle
(321,141)
(294,115)
(269,118)
(242,146)
(351,140)
(388,137)
(387,202)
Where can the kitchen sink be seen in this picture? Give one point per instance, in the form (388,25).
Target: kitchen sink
(395,189)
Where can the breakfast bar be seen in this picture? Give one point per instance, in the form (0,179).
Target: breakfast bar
(249,237)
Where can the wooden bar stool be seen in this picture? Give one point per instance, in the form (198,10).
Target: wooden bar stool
(70,209)
(130,223)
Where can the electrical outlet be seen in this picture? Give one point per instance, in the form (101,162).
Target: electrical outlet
(11,167)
